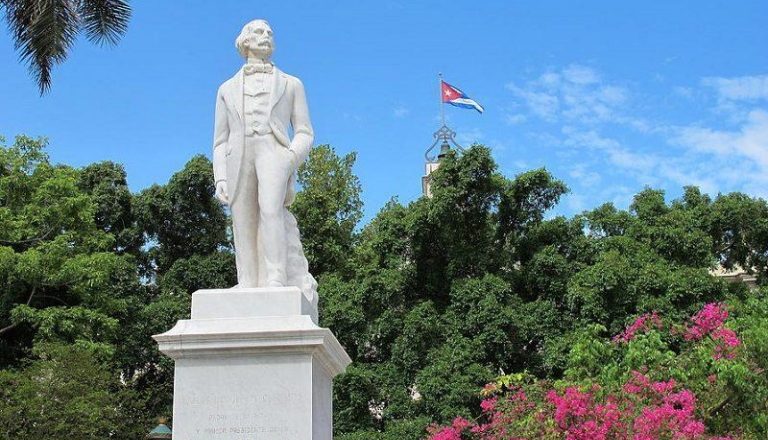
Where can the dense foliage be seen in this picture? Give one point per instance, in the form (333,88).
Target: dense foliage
(450,292)
(655,380)
(432,300)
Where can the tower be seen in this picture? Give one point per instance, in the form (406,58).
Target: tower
(445,137)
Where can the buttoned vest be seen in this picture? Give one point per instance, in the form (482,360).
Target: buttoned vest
(256,90)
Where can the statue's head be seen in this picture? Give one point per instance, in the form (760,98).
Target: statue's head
(256,40)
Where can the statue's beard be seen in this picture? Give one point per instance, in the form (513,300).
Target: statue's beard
(261,52)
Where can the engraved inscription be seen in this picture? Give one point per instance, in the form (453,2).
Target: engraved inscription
(245,417)
(219,430)
(197,399)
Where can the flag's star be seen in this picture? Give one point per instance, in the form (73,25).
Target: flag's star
(447,93)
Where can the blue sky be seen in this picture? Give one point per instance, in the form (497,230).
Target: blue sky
(609,96)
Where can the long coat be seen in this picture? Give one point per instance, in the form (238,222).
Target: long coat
(287,109)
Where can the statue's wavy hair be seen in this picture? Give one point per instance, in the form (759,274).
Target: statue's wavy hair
(240,40)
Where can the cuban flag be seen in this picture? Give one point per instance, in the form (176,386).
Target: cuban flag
(452,95)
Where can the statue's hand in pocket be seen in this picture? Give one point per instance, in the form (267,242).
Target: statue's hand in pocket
(293,159)
(221,192)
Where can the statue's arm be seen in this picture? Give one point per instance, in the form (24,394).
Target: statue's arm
(302,126)
(220,137)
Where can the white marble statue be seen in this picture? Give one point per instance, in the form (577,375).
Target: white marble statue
(262,133)
(252,362)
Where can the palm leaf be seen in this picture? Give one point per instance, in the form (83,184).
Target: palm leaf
(45,30)
(105,21)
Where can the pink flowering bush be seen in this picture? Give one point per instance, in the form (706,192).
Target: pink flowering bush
(710,321)
(687,389)
(641,410)
(643,323)
(453,432)
(705,321)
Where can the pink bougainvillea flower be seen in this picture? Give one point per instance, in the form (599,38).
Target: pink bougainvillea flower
(446,434)
(453,432)
(664,387)
(642,409)
(573,403)
(488,405)
(642,324)
(637,384)
(712,316)
(710,321)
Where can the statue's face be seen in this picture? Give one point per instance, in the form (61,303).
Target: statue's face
(258,40)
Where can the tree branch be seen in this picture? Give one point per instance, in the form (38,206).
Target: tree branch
(13,326)
(30,240)
(54,297)
(721,405)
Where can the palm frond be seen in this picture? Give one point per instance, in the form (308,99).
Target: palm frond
(105,21)
(45,30)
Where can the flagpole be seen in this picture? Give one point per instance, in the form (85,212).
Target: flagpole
(442,104)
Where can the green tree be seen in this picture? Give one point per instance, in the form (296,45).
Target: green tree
(430,298)
(328,208)
(474,281)
(187,248)
(182,218)
(107,184)
(66,280)
(66,392)
(60,280)
(739,229)
(428,312)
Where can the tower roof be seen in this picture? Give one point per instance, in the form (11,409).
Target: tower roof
(448,138)
(161,431)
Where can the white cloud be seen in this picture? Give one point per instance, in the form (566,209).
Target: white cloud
(611,149)
(645,168)
(612,95)
(549,79)
(471,136)
(578,74)
(401,112)
(592,105)
(686,92)
(467,138)
(543,104)
(575,93)
(584,176)
(352,117)
(521,165)
(686,172)
(576,202)
(612,142)
(749,141)
(748,88)
(622,196)
(515,119)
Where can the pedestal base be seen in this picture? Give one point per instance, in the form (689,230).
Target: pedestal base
(252,364)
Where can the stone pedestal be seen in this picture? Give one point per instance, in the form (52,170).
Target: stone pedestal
(252,364)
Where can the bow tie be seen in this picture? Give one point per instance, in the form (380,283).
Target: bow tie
(250,69)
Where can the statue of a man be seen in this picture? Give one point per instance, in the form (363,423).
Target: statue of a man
(254,161)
